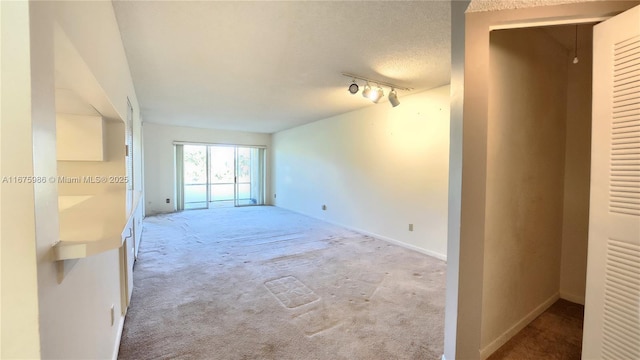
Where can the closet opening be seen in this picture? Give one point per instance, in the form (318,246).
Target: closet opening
(538,189)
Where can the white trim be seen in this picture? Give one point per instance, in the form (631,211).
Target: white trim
(177,142)
(116,350)
(377,236)
(402,244)
(548,22)
(512,331)
(443,358)
(572,297)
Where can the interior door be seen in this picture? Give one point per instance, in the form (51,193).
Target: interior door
(612,309)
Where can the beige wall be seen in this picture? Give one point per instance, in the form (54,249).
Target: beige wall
(19,295)
(525,177)
(377,170)
(577,172)
(538,192)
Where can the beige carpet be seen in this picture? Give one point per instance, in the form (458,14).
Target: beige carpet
(266,283)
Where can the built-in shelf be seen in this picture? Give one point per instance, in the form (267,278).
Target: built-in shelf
(65,250)
(90,224)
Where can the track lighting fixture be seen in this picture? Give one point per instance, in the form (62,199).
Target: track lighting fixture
(393,98)
(366,91)
(353,88)
(375,94)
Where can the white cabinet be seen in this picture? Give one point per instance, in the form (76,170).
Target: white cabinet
(129,253)
(80,137)
(127,259)
(137,228)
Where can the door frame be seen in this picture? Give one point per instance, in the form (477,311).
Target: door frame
(463,316)
(263,161)
(208,162)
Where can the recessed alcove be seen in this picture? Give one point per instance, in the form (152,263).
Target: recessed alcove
(91,173)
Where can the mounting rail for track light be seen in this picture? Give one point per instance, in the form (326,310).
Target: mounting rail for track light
(383,83)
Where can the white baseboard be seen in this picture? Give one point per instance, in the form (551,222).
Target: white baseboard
(403,244)
(381,237)
(512,331)
(116,350)
(573,298)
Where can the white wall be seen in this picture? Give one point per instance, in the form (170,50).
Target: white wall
(159,158)
(377,169)
(454,254)
(73,298)
(112,165)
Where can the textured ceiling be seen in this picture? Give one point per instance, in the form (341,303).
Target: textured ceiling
(269,66)
(494,5)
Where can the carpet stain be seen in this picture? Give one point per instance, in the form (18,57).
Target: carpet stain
(315,321)
(291,292)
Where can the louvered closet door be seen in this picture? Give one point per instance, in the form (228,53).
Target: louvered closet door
(612,309)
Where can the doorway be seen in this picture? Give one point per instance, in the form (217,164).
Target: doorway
(467,291)
(219,175)
(538,182)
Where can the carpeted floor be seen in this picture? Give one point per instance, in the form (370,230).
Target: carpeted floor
(265,283)
(555,335)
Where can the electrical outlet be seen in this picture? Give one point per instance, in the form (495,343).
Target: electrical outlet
(113,314)
(168,200)
(274,196)
(324,207)
(410,227)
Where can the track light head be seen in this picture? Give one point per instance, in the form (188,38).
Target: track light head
(376,95)
(353,88)
(367,91)
(393,98)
